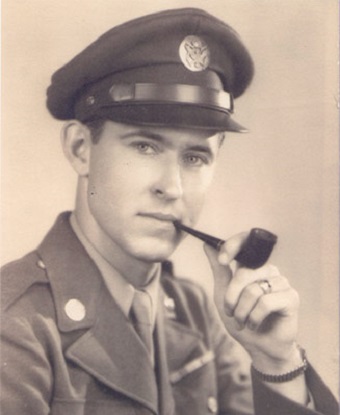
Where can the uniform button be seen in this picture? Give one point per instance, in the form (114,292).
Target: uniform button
(75,309)
(212,405)
(41,264)
(169,303)
(90,100)
(170,307)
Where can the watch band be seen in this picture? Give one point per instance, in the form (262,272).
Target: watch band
(285,377)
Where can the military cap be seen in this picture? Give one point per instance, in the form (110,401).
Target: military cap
(180,67)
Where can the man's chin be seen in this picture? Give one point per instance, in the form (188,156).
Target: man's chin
(157,252)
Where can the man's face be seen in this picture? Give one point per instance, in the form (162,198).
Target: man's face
(141,179)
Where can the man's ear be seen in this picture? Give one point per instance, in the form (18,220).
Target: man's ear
(76,144)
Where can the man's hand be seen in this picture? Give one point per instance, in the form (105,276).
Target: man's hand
(264,323)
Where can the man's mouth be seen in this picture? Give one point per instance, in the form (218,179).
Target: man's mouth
(164,217)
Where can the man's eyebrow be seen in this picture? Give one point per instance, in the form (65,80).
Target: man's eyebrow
(142,133)
(202,149)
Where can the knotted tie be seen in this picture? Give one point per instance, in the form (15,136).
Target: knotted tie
(142,319)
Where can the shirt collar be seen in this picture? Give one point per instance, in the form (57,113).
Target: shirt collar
(121,291)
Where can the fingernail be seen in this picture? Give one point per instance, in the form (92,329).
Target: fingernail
(223,258)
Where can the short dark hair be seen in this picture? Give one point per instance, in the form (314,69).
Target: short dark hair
(96,128)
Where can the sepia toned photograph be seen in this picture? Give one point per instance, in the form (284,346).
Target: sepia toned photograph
(169,207)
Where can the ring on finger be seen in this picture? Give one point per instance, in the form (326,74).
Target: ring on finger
(265,286)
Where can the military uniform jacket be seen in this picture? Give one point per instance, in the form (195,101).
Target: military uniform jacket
(68,349)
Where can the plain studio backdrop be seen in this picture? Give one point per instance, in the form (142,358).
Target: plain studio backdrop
(281,176)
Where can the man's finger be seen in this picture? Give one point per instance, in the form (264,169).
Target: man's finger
(231,248)
(245,277)
(221,273)
(282,302)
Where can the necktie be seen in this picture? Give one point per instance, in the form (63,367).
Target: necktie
(142,319)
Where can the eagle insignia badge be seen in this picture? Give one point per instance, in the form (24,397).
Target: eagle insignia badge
(194,53)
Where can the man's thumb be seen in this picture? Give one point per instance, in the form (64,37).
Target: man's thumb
(220,259)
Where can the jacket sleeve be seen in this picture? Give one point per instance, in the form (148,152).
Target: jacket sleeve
(268,402)
(26,375)
(235,383)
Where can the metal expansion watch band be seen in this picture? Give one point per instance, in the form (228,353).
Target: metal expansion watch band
(285,377)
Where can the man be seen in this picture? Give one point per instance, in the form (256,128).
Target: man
(93,320)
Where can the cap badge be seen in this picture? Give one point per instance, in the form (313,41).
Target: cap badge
(194,53)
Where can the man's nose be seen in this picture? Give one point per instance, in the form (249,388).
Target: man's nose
(169,184)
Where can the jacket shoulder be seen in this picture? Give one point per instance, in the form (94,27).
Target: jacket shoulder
(18,276)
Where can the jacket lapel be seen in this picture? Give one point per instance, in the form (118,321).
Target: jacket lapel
(112,352)
(183,341)
(177,342)
(109,350)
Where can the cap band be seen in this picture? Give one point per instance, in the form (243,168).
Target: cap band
(146,103)
(164,93)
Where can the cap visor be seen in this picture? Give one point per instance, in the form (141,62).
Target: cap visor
(170,115)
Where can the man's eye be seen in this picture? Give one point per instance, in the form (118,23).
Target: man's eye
(145,148)
(195,160)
